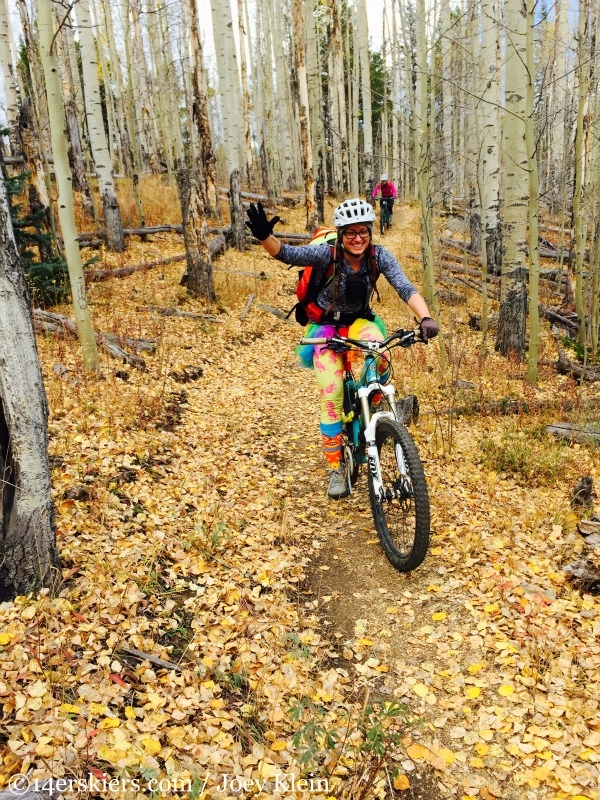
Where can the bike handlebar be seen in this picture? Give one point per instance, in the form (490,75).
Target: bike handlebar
(405,339)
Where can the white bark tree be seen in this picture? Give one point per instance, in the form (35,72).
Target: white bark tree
(93,107)
(365,88)
(28,552)
(10,81)
(64,183)
(513,287)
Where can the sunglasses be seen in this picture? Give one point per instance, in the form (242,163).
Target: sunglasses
(362,234)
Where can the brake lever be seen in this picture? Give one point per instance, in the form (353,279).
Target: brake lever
(338,347)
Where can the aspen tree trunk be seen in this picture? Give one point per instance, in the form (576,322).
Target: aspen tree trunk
(100,151)
(594,267)
(285,110)
(334,112)
(578,211)
(80,181)
(245,96)
(315,101)
(38,196)
(200,118)
(306,144)
(533,207)
(124,150)
(490,59)
(161,90)
(65,188)
(111,116)
(446,104)
(384,112)
(30,126)
(186,59)
(174,93)
(228,80)
(236,211)
(28,553)
(143,104)
(196,235)
(513,289)
(264,59)
(365,87)
(260,108)
(353,114)
(10,82)
(418,99)
(397,169)
(136,133)
(338,102)
(561,98)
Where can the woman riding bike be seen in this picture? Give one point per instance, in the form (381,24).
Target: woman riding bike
(388,193)
(344,303)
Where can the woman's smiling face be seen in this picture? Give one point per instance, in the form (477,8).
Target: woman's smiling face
(356,238)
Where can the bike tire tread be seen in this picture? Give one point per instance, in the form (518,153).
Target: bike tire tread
(416,556)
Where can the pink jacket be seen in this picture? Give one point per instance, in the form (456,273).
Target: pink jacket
(387,190)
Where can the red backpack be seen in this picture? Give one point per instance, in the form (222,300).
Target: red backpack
(309,285)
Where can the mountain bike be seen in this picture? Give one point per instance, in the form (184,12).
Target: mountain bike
(385,214)
(397,487)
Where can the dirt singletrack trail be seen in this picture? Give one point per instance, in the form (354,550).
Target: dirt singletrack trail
(379,622)
(462,641)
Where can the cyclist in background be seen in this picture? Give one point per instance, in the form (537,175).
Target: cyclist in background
(344,308)
(388,193)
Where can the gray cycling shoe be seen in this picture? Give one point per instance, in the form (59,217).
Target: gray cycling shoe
(338,487)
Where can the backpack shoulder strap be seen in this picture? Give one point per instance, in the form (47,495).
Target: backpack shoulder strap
(374,268)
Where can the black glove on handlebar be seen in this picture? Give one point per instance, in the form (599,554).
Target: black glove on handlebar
(258,223)
(429,329)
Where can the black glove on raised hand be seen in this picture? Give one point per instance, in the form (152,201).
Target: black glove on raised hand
(429,329)
(258,223)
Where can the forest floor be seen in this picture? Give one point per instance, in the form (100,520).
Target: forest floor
(193,525)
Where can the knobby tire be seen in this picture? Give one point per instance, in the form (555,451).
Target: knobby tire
(402,525)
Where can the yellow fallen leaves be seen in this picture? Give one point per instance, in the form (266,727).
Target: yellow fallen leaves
(420,690)
(109,722)
(506,690)
(401,783)
(472,692)
(439,758)
(438,616)
(6,637)
(279,744)
(151,746)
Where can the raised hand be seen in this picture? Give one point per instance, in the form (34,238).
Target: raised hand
(257,222)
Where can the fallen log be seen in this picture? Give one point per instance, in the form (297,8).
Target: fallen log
(575,433)
(122,272)
(175,312)
(290,202)
(559,319)
(247,308)
(476,273)
(139,655)
(216,246)
(277,312)
(50,322)
(89,236)
(566,367)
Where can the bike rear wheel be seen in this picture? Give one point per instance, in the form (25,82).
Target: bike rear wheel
(401,515)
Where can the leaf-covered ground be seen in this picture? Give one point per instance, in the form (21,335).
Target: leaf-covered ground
(193,526)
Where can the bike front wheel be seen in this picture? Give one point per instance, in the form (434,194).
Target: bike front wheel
(401,511)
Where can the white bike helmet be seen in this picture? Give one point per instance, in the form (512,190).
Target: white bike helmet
(351,211)
(383,177)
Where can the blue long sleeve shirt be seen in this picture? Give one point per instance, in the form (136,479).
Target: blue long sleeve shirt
(354,289)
